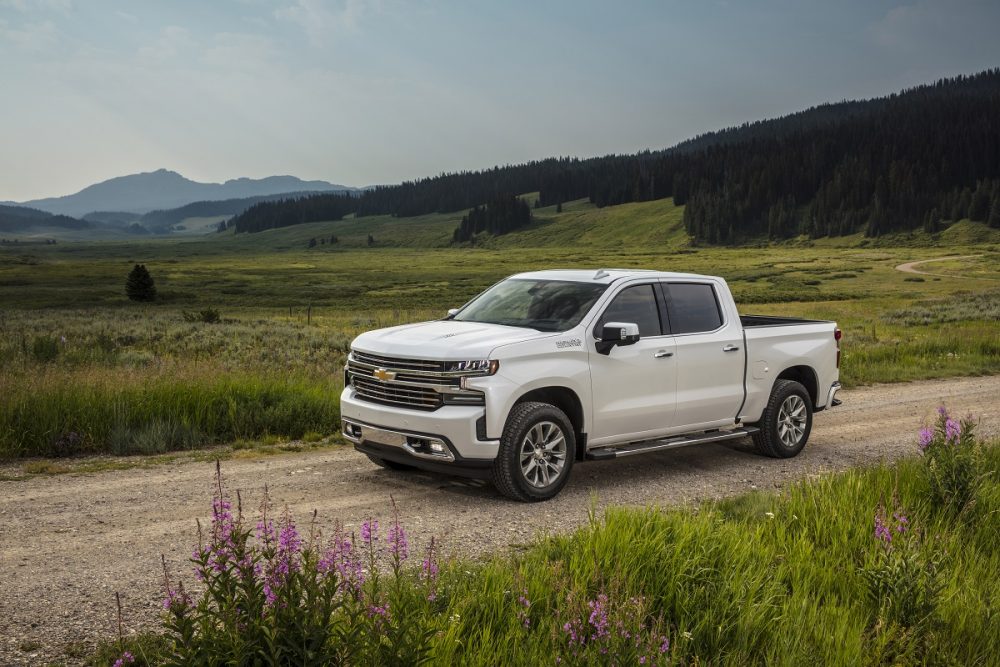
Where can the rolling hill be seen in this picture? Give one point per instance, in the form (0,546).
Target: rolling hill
(917,159)
(164,189)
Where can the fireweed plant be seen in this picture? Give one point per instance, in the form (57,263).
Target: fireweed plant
(954,462)
(273,595)
(902,576)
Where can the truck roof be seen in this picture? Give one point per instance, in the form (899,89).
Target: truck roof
(604,276)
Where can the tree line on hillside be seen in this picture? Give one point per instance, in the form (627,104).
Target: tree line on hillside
(502,214)
(897,163)
(286,212)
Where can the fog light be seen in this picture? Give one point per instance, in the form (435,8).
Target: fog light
(437,447)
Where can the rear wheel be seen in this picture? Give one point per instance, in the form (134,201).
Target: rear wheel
(389,465)
(786,422)
(536,453)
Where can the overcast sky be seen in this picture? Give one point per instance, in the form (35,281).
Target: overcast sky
(376,91)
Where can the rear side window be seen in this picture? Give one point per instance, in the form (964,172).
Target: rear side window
(633,304)
(693,307)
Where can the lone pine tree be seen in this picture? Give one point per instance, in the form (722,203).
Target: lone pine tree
(139,285)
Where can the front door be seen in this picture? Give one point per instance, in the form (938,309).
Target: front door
(633,386)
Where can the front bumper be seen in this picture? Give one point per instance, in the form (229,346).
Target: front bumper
(444,439)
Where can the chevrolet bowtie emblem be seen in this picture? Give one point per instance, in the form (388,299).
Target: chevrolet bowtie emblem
(383,374)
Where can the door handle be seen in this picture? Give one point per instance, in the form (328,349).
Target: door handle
(731,348)
(662,354)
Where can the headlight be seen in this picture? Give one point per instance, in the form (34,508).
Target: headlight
(475,367)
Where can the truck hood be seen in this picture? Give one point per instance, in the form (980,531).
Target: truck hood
(444,340)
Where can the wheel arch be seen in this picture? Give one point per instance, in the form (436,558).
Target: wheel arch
(806,376)
(566,400)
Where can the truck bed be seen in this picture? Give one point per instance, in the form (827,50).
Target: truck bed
(751,321)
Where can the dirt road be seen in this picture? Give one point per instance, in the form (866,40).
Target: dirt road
(68,542)
(911,267)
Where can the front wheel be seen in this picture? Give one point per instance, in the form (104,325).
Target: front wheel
(786,422)
(536,453)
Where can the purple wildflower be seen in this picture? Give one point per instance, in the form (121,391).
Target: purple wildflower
(925,438)
(599,615)
(126,659)
(882,531)
(285,561)
(396,539)
(952,431)
(369,532)
(942,411)
(522,613)
(901,521)
(664,644)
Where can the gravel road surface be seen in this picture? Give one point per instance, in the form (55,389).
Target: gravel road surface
(69,542)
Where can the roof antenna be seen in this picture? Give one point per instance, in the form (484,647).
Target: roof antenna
(601,273)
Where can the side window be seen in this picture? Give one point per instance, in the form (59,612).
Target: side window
(693,307)
(633,304)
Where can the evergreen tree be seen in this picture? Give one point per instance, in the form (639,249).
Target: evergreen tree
(559,207)
(333,239)
(312,242)
(371,240)
(994,217)
(139,285)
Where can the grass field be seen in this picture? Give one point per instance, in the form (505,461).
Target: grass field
(805,577)
(82,369)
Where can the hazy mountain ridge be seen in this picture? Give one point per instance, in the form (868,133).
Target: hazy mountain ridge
(164,189)
(20,218)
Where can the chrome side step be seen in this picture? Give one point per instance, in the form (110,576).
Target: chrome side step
(618,451)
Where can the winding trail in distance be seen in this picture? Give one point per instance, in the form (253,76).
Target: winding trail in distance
(911,267)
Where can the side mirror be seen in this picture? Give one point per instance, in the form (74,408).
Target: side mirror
(452,312)
(617,333)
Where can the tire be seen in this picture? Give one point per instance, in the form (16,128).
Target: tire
(534,462)
(786,422)
(388,465)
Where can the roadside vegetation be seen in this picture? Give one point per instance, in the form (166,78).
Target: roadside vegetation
(248,334)
(887,565)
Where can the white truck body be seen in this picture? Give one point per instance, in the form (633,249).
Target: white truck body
(439,395)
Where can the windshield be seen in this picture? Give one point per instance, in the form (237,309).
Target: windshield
(545,305)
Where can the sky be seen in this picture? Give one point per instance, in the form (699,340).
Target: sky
(360,92)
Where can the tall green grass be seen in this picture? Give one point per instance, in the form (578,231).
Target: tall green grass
(759,579)
(155,410)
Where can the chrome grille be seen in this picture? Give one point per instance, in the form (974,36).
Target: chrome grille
(418,384)
(395,393)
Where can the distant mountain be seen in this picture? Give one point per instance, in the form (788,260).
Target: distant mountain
(164,189)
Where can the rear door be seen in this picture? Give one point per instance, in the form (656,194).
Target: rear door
(709,356)
(633,385)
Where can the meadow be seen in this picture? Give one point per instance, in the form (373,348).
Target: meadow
(887,565)
(84,370)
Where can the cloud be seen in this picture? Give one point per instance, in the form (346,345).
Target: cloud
(24,6)
(918,26)
(322,18)
(31,37)
(172,41)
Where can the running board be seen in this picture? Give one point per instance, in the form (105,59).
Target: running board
(617,451)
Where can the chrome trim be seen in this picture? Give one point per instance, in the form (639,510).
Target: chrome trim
(832,396)
(393,438)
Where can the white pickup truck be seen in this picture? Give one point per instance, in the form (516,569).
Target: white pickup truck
(547,368)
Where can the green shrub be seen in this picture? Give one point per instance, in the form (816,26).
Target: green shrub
(208,316)
(45,348)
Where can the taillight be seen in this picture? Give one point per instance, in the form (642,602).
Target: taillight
(837,335)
